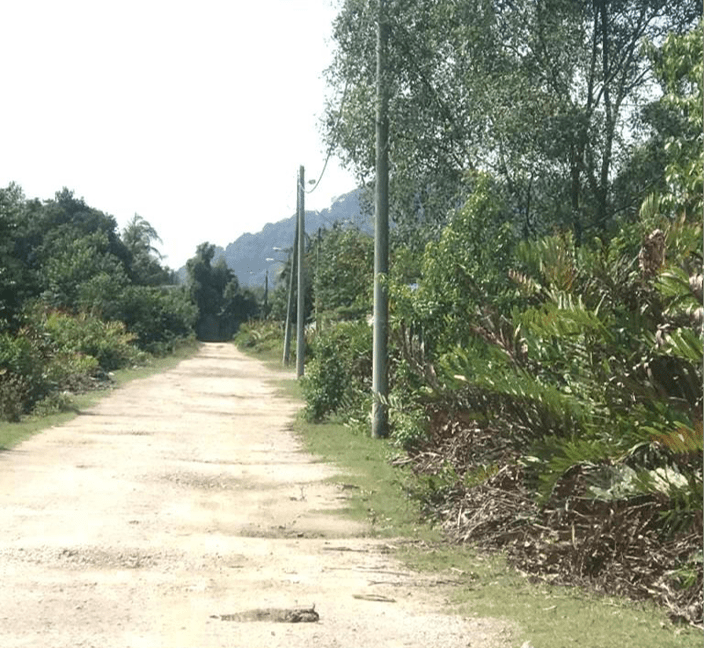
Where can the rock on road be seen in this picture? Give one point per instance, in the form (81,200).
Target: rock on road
(182,497)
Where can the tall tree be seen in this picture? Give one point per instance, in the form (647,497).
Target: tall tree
(14,283)
(539,93)
(214,288)
(145,263)
(343,261)
(79,260)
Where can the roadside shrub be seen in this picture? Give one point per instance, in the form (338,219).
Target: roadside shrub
(260,335)
(108,342)
(71,371)
(14,400)
(22,379)
(338,377)
(409,427)
(158,316)
(53,403)
(464,273)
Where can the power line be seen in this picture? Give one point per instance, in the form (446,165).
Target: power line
(332,147)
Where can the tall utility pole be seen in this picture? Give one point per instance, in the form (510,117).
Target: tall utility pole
(289,307)
(300,334)
(380,380)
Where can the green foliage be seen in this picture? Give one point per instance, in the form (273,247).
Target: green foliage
(158,316)
(679,67)
(22,380)
(409,425)
(81,273)
(14,396)
(15,281)
(108,342)
(464,274)
(338,376)
(541,95)
(68,370)
(344,273)
(260,335)
(144,263)
(215,291)
(72,303)
(599,371)
(547,308)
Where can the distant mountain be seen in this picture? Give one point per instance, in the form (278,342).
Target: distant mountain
(247,256)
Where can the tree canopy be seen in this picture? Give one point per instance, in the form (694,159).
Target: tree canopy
(214,288)
(543,95)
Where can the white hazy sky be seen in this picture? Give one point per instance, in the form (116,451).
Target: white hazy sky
(194,114)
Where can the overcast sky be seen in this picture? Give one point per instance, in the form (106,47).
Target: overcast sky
(194,114)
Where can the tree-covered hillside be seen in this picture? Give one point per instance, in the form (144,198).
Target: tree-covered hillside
(252,255)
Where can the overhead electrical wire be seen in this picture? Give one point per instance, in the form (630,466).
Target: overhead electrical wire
(332,146)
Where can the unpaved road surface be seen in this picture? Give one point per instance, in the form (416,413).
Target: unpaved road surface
(182,497)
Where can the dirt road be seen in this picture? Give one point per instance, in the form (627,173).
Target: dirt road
(183,497)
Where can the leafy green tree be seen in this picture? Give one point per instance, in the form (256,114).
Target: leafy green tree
(81,274)
(14,276)
(159,316)
(145,261)
(214,289)
(69,306)
(343,262)
(678,68)
(464,274)
(72,255)
(278,299)
(67,217)
(539,94)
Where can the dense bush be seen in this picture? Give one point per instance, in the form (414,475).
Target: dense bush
(338,374)
(108,342)
(55,352)
(260,335)
(546,380)
(343,259)
(23,359)
(158,316)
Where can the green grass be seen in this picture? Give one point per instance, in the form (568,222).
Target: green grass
(548,616)
(379,497)
(13,433)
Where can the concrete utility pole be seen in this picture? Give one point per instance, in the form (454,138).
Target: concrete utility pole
(300,333)
(289,307)
(380,380)
(318,326)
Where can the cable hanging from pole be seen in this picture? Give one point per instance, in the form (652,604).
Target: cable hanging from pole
(332,147)
(366,24)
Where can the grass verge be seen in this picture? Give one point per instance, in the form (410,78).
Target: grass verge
(547,615)
(13,433)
